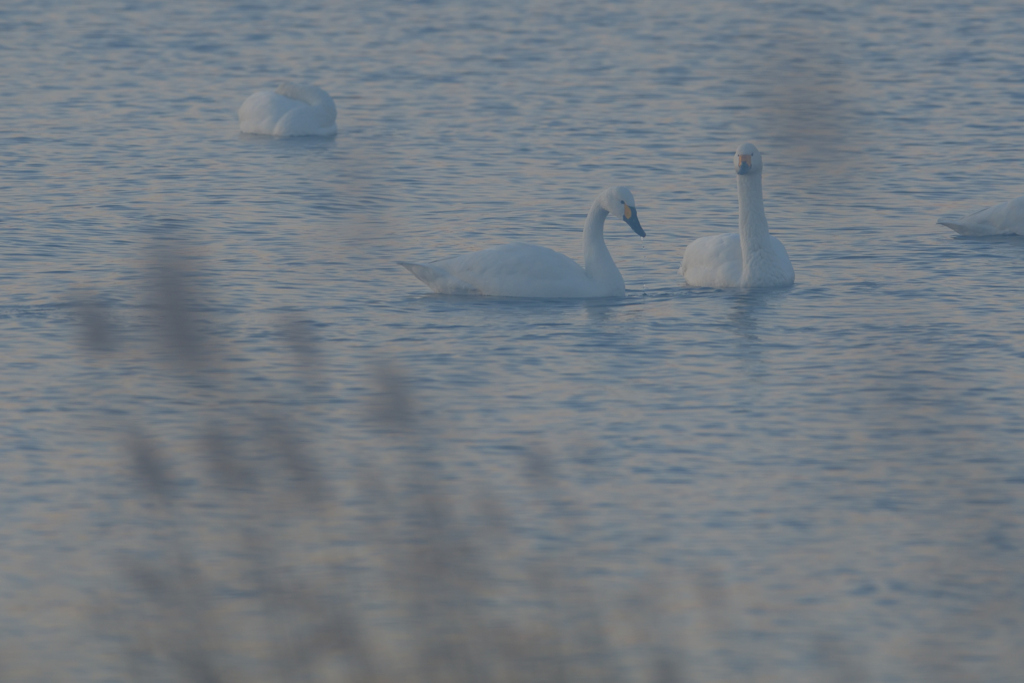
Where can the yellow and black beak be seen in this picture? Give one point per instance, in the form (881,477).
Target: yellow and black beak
(744,163)
(629,215)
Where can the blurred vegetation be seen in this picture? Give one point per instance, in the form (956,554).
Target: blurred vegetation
(261,566)
(256,550)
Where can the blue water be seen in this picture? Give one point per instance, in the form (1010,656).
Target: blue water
(845,455)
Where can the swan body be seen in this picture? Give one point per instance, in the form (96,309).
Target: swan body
(526,270)
(751,258)
(291,109)
(1002,219)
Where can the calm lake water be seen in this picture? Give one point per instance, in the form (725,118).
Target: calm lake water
(843,457)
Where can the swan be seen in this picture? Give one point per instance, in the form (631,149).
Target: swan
(1002,219)
(526,270)
(291,109)
(751,258)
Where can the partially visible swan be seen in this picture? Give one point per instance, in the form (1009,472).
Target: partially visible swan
(292,109)
(527,270)
(751,258)
(1002,219)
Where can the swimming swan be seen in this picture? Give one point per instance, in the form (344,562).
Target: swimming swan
(1002,219)
(292,109)
(527,270)
(752,258)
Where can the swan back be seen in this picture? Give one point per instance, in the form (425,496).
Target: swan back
(292,109)
(310,94)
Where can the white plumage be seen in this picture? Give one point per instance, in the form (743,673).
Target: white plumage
(526,270)
(1002,219)
(751,258)
(291,109)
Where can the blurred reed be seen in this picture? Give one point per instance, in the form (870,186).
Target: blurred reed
(258,566)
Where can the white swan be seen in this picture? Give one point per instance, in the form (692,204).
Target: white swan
(752,258)
(526,270)
(292,109)
(1002,219)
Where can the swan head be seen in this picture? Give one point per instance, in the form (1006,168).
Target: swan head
(747,160)
(618,201)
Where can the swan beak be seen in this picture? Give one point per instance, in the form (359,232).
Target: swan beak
(629,215)
(744,163)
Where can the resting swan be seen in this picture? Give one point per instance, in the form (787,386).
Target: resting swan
(1002,219)
(526,270)
(292,109)
(752,258)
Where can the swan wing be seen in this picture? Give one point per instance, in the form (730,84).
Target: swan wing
(306,121)
(520,270)
(262,110)
(784,274)
(713,261)
(524,270)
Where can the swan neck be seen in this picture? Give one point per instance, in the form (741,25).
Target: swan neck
(593,235)
(753,222)
(597,260)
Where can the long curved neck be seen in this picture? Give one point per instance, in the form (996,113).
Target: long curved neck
(755,240)
(597,261)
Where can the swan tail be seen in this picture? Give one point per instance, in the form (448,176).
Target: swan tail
(953,223)
(440,281)
(972,228)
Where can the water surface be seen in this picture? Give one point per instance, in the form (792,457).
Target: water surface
(843,455)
